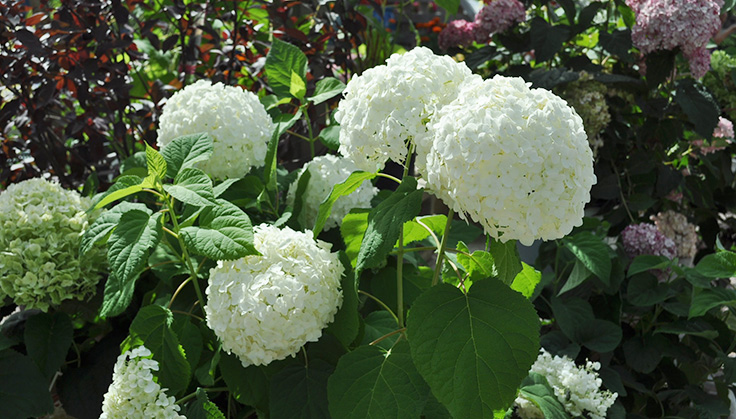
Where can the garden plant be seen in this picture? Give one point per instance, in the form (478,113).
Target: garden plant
(367,209)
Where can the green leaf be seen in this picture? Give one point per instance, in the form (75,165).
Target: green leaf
(717,265)
(153,326)
(117,296)
(224,233)
(592,252)
(451,6)
(48,338)
(325,89)
(599,335)
(578,275)
(341,189)
(128,246)
(643,263)
(546,39)
(372,383)
(330,137)
(297,87)
(352,231)
(414,231)
(124,186)
(643,353)
(537,389)
(156,165)
(479,265)
(24,391)
(506,258)
(299,391)
(492,334)
(346,325)
(190,339)
(103,226)
(385,221)
(695,327)
(183,152)
(192,186)
(248,385)
(526,281)
(706,299)
(617,42)
(282,60)
(575,318)
(377,325)
(699,106)
(644,290)
(203,408)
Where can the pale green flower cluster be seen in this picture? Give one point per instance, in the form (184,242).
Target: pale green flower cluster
(587,97)
(41,227)
(134,393)
(721,83)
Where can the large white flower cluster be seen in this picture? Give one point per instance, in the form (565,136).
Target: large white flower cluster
(41,228)
(326,172)
(577,388)
(237,122)
(515,159)
(388,105)
(134,393)
(264,308)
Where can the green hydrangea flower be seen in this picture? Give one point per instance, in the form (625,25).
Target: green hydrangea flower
(41,227)
(720,81)
(588,98)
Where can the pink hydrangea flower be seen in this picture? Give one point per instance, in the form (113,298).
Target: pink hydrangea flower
(723,130)
(667,24)
(646,239)
(457,33)
(497,16)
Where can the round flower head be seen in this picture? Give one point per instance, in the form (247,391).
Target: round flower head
(646,239)
(237,122)
(497,16)
(41,228)
(677,228)
(264,308)
(458,33)
(134,393)
(587,97)
(326,172)
(515,159)
(388,105)
(577,388)
(722,137)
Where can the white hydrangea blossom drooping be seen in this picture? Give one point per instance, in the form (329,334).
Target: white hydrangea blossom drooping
(515,159)
(237,122)
(41,228)
(326,172)
(577,388)
(134,393)
(389,104)
(264,308)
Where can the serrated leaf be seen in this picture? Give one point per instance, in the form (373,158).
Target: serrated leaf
(193,187)
(137,232)
(643,263)
(156,165)
(300,391)
(326,89)
(526,281)
(592,252)
(344,188)
(644,290)
(479,264)
(492,333)
(203,408)
(185,151)
(506,258)
(385,221)
(103,225)
(717,265)
(414,231)
(117,296)
(48,337)
(706,299)
(224,233)
(282,60)
(372,383)
(297,87)
(699,106)
(190,339)
(24,390)
(547,39)
(152,325)
(124,186)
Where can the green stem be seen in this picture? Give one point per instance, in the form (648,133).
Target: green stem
(387,335)
(185,254)
(443,245)
(399,277)
(309,129)
(387,176)
(194,394)
(380,303)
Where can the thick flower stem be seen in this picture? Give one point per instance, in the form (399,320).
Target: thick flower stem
(441,250)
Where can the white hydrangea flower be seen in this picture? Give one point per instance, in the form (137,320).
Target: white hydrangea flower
(326,172)
(264,308)
(389,104)
(134,393)
(41,228)
(237,122)
(515,159)
(577,388)
(527,409)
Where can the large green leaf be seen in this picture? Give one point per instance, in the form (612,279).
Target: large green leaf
(578,275)
(699,106)
(352,231)
(717,265)
(153,326)
(48,338)
(300,391)
(156,166)
(123,186)
(325,89)
(577,321)
(224,233)
(526,281)
(377,325)
(643,263)
(192,186)
(547,39)
(592,252)
(117,296)
(203,408)
(419,228)
(347,187)
(24,390)
(706,299)
(183,152)
(473,349)
(644,290)
(506,259)
(346,325)
(248,385)
(103,226)
(282,60)
(136,234)
(372,383)
(385,221)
